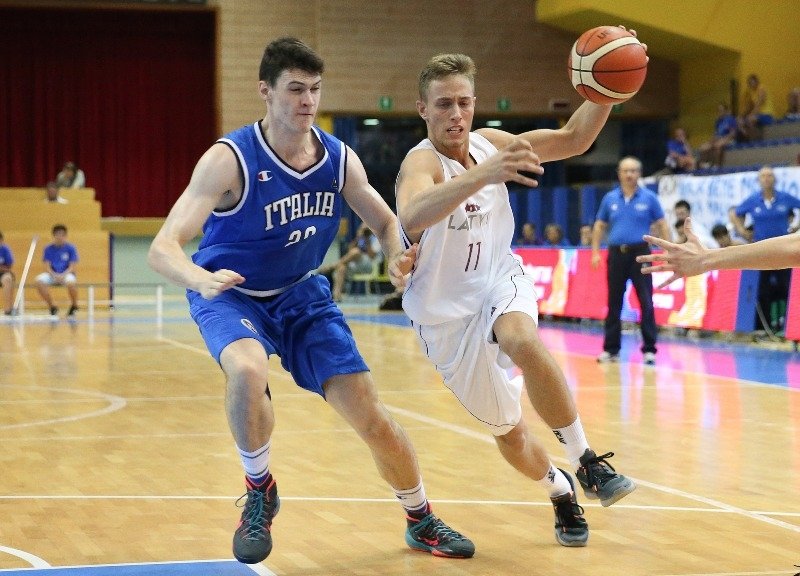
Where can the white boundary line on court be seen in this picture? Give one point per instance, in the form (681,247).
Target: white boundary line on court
(34,561)
(257,568)
(115,403)
(488,439)
(352,499)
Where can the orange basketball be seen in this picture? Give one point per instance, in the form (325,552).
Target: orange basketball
(607,65)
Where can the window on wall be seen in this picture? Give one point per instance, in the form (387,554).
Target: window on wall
(382,143)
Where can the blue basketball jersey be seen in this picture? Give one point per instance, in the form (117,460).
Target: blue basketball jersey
(285,221)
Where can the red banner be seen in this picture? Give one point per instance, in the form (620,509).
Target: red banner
(568,285)
(793,308)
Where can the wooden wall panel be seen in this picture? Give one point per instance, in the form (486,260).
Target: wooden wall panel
(375,48)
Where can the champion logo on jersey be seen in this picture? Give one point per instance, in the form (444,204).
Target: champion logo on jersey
(472,208)
(264,176)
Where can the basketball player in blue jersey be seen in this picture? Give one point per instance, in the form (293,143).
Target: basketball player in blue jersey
(268,198)
(472,305)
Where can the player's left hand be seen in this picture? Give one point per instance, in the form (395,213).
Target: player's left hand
(681,259)
(401,265)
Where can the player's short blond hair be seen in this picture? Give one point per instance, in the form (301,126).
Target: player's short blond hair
(444,65)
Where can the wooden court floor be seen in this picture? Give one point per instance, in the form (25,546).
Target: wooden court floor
(115,454)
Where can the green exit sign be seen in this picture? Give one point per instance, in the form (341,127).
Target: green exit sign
(503,104)
(385,103)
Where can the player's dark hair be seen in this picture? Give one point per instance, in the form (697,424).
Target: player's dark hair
(285,54)
(683,204)
(719,230)
(59,228)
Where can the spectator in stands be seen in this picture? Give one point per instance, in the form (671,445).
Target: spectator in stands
(680,157)
(793,104)
(363,254)
(680,236)
(528,237)
(585,240)
(757,110)
(682,211)
(53,194)
(771,212)
(71,176)
(722,236)
(625,215)
(554,236)
(60,257)
(6,277)
(725,128)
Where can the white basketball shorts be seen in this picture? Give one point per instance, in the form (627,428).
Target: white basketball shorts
(465,353)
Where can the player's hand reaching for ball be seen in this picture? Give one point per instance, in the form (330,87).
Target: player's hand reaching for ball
(217,282)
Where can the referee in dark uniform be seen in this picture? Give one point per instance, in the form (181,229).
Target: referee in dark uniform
(627,213)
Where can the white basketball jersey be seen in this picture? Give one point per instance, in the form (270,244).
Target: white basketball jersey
(461,257)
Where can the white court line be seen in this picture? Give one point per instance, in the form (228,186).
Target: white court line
(261,570)
(34,561)
(392,501)
(485,437)
(257,568)
(115,403)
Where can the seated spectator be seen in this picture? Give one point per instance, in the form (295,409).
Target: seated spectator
(71,176)
(528,237)
(680,157)
(554,236)
(362,255)
(53,194)
(793,104)
(682,211)
(712,152)
(60,258)
(757,110)
(6,277)
(585,236)
(723,238)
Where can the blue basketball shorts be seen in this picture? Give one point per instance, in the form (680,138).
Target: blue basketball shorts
(302,325)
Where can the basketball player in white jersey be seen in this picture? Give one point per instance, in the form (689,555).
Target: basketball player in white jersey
(471,303)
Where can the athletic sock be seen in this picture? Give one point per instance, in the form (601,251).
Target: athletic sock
(555,482)
(256,463)
(414,501)
(574,441)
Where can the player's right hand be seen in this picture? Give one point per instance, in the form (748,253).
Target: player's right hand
(518,156)
(219,281)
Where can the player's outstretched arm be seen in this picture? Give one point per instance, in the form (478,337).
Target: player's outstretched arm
(692,258)
(215,175)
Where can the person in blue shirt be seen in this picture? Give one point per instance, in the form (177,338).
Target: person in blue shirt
(61,258)
(554,236)
(680,157)
(772,213)
(626,214)
(711,153)
(6,276)
(269,199)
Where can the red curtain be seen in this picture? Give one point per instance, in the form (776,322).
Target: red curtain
(128,95)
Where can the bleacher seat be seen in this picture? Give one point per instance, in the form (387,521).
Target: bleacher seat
(776,151)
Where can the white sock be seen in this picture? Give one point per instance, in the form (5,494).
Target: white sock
(574,441)
(256,463)
(555,482)
(413,499)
